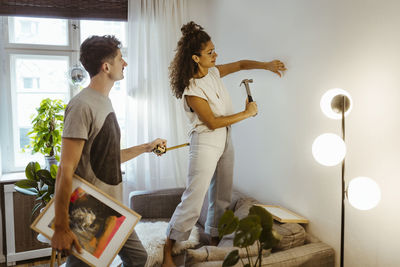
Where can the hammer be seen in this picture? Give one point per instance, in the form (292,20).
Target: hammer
(246,84)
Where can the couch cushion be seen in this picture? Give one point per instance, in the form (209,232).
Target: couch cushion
(314,254)
(212,253)
(238,199)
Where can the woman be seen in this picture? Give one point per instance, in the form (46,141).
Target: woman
(195,78)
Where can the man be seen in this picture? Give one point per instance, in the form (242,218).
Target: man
(91,145)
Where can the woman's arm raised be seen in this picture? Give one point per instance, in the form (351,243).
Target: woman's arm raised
(275,66)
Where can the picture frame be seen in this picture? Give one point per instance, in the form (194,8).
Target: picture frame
(284,215)
(101,223)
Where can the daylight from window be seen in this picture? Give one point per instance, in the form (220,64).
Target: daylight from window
(39,69)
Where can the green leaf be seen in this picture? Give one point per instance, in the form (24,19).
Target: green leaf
(47,198)
(43,195)
(36,207)
(272,239)
(25,191)
(46,177)
(264,215)
(248,231)
(53,171)
(26,184)
(231,259)
(51,190)
(30,171)
(227,224)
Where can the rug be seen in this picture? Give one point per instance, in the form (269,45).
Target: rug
(153,235)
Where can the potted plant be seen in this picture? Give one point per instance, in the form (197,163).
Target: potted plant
(39,183)
(256,227)
(47,127)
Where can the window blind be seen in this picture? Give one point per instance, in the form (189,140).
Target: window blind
(71,9)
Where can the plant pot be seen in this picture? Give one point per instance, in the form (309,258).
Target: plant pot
(49,160)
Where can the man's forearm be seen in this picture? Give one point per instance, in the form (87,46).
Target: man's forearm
(62,197)
(133,152)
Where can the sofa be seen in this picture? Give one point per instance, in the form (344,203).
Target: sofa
(297,247)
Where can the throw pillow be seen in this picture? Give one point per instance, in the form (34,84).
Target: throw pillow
(293,235)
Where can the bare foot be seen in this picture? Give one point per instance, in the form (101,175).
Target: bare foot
(167,260)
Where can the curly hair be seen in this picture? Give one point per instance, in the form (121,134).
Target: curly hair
(182,67)
(97,49)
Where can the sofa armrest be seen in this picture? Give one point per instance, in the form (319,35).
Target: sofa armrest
(154,204)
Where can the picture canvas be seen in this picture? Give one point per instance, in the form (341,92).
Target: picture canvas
(101,223)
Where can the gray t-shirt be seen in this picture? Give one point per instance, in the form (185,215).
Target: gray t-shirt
(90,116)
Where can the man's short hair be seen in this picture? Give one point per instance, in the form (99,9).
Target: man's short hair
(95,50)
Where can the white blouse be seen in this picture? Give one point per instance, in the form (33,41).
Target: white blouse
(210,88)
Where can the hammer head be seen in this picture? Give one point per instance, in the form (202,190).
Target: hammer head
(246,81)
(246,84)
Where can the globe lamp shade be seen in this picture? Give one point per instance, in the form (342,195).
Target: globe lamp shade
(329,149)
(363,193)
(331,108)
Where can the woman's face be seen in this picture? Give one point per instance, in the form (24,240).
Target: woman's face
(207,56)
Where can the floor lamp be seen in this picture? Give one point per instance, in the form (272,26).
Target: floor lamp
(329,150)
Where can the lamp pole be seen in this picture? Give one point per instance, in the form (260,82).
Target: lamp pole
(340,104)
(343,187)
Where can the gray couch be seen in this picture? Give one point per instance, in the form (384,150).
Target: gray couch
(297,248)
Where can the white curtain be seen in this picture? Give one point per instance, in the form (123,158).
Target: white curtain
(152,110)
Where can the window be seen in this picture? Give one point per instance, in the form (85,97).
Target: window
(38,54)
(42,31)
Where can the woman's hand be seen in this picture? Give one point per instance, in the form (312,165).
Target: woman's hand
(251,108)
(275,66)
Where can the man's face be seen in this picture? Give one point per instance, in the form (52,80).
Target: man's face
(117,67)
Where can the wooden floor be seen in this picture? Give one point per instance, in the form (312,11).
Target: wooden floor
(36,262)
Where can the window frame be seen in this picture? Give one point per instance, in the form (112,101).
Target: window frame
(8,94)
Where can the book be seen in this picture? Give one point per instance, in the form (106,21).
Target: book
(283,215)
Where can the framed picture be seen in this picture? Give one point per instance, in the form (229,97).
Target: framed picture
(283,215)
(101,223)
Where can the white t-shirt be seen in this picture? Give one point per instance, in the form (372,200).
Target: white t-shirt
(210,88)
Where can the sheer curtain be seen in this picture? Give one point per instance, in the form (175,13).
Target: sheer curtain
(152,110)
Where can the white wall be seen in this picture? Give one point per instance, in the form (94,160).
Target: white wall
(354,45)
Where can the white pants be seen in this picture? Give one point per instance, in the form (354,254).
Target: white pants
(211,159)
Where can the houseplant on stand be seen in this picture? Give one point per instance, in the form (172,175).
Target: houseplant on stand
(47,126)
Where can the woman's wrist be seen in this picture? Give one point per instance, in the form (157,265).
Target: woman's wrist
(266,65)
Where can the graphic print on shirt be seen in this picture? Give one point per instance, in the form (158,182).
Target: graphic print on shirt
(105,157)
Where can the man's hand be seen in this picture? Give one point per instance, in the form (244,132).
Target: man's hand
(157,142)
(64,240)
(276,66)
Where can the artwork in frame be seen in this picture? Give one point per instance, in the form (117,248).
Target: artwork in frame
(101,223)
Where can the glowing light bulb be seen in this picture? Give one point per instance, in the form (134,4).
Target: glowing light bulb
(363,193)
(326,103)
(329,149)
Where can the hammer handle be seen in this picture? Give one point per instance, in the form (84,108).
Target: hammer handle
(250,98)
